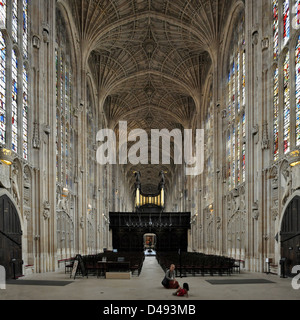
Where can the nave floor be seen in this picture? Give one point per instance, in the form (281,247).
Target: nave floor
(148,287)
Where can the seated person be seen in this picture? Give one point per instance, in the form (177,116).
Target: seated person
(170,276)
(181,292)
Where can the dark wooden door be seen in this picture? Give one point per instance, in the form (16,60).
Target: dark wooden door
(10,239)
(290,236)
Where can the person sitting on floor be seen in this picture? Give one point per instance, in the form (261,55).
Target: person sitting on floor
(181,292)
(170,276)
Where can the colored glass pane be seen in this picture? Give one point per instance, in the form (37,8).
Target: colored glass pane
(25,114)
(286,21)
(2,90)
(287,107)
(276,114)
(297,54)
(15,20)
(14,102)
(3,13)
(275,28)
(25,28)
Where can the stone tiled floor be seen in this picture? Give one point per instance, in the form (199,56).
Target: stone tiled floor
(148,287)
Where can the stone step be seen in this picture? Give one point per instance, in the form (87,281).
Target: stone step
(118,275)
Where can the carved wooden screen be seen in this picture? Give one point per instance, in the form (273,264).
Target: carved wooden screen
(10,238)
(290,235)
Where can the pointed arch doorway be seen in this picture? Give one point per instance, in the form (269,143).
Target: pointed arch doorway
(290,235)
(10,238)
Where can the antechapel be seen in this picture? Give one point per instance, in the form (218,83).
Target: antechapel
(171,125)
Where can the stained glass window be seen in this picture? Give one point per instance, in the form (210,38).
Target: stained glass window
(67,153)
(286,21)
(25,28)
(238,161)
(229,95)
(62,148)
(209,137)
(244,79)
(3,13)
(2,90)
(276,114)
(238,82)
(244,148)
(276,28)
(233,87)
(287,107)
(14,102)
(233,144)
(16,121)
(296,12)
(229,160)
(25,114)
(297,53)
(56,74)
(64,123)
(57,147)
(236,151)
(61,83)
(15,20)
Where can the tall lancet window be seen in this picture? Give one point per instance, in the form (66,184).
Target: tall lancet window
(236,99)
(25,113)
(297,54)
(15,20)
(14,102)
(25,29)
(286,21)
(287,106)
(91,140)
(276,114)
(276,28)
(2,90)
(64,108)
(14,87)
(209,138)
(3,13)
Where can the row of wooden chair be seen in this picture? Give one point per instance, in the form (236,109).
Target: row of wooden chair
(101,263)
(193,264)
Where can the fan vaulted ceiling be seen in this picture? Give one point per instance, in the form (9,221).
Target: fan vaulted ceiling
(149,59)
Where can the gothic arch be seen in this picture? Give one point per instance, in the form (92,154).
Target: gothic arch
(290,233)
(234,14)
(289,200)
(4,192)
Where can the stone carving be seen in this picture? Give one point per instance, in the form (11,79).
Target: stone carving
(265,137)
(27,215)
(82,223)
(149,44)
(46,32)
(296,178)
(255,133)
(255,211)
(274,212)
(4,176)
(15,184)
(27,185)
(78,109)
(36,41)
(255,36)
(36,136)
(265,43)
(46,210)
(224,114)
(219,223)
(289,181)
